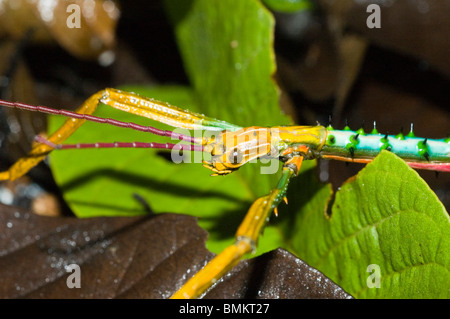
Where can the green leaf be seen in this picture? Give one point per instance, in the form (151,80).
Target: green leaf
(288,6)
(385,216)
(227,49)
(214,37)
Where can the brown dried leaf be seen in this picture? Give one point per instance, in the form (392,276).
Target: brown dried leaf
(138,257)
(94,34)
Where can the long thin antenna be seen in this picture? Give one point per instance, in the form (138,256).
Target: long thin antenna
(92,118)
(170,146)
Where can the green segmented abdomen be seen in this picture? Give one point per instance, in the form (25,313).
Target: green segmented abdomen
(358,145)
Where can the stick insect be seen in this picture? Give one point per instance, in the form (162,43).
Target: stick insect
(231,148)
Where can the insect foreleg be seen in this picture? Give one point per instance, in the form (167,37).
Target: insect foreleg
(125,101)
(39,151)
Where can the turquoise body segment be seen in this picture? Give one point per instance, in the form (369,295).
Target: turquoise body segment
(359,145)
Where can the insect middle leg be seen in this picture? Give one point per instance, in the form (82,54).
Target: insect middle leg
(246,237)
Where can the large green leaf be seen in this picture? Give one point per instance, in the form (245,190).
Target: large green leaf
(386,216)
(227,49)
(213,41)
(288,6)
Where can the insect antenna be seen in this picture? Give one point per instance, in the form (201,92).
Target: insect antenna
(92,118)
(169,146)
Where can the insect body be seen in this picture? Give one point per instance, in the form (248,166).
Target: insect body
(231,150)
(231,147)
(357,146)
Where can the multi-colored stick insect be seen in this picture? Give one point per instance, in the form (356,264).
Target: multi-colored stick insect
(232,147)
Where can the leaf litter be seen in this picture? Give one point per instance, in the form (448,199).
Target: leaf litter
(135,257)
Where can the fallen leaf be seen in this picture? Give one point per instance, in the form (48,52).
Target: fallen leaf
(134,257)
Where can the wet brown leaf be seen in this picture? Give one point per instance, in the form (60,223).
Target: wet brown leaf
(139,257)
(94,33)
(276,274)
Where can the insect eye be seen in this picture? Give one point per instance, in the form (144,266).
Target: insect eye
(235,156)
(218,150)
